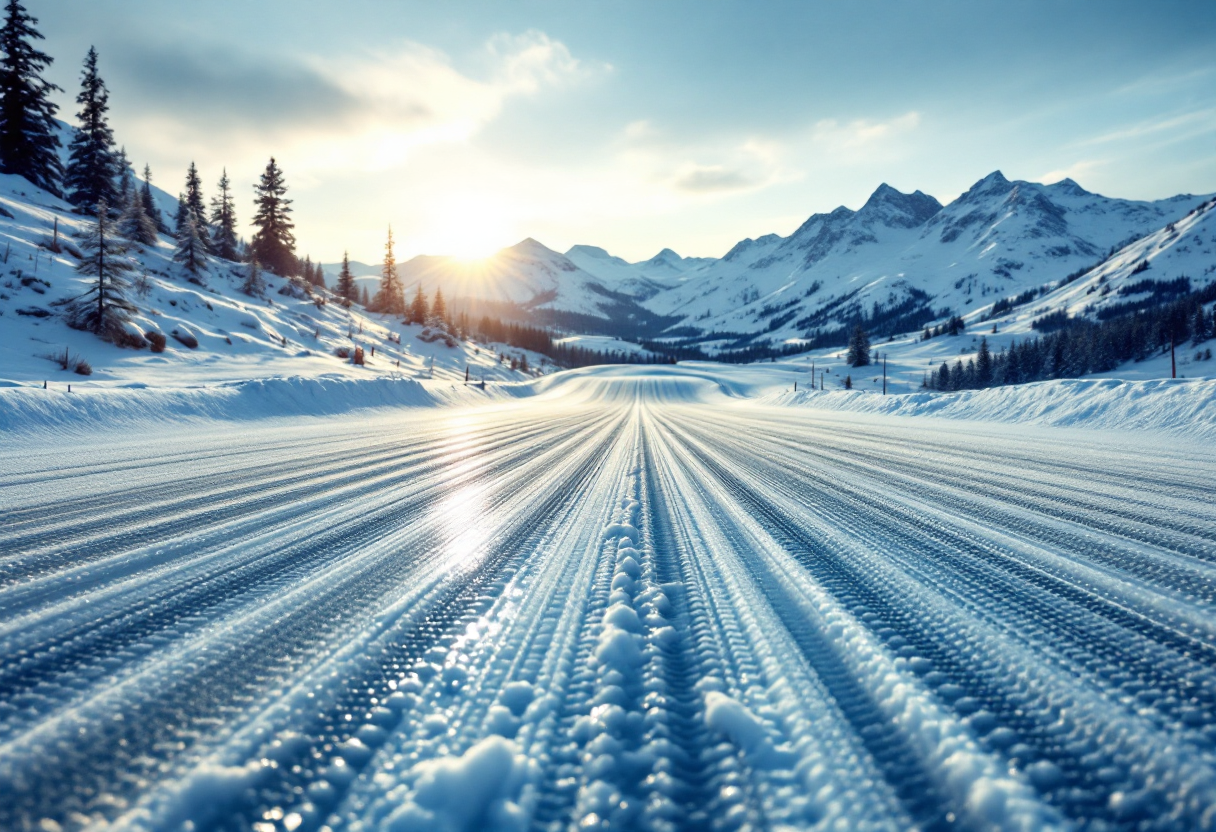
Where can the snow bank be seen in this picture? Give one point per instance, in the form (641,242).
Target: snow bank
(1173,405)
(26,409)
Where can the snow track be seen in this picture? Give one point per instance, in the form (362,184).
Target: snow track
(628,604)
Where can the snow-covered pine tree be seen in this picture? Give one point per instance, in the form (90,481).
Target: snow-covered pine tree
(197,206)
(255,284)
(29,141)
(389,298)
(859,348)
(92,168)
(145,193)
(346,288)
(418,307)
(274,243)
(134,224)
(223,221)
(104,308)
(439,309)
(190,251)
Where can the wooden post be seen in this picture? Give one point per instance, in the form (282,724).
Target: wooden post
(884,375)
(1173,364)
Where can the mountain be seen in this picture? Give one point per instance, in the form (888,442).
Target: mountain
(641,280)
(902,260)
(899,261)
(530,282)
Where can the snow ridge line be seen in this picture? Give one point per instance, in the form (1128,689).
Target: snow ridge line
(458,745)
(28,410)
(1178,406)
(931,751)
(1019,699)
(774,705)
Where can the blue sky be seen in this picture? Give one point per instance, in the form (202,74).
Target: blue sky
(635,126)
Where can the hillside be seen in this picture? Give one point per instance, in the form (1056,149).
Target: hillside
(214,331)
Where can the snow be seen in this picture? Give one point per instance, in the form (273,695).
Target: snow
(622,597)
(217,334)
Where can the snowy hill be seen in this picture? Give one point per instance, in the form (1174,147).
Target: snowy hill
(214,331)
(903,259)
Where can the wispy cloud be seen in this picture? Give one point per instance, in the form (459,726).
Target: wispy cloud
(1184,124)
(334,113)
(706,178)
(1076,171)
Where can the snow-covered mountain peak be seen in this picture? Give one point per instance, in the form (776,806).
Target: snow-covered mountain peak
(593,252)
(895,209)
(1066,188)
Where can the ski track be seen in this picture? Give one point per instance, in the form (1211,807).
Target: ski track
(623,605)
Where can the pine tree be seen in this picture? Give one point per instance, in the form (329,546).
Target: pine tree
(191,251)
(104,308)
(29,140)
(150,208)
(195,202)
(983,365)
(126,178)
(390,298)
(134,224)
(92,163)
(346,287)
(439,309)
(418,307)
(254,284)
(848,382)
(364,299)
(859,348)
(274,243)
(223,220)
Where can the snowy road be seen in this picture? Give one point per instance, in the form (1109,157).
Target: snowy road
(626,604)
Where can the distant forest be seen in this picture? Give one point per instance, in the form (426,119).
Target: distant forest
(1073,347)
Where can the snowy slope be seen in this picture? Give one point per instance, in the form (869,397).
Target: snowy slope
(238,337)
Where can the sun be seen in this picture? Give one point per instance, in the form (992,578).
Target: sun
(470,228)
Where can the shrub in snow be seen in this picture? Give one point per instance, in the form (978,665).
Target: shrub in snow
(185,337)
(255,284)
(156,339)
(83,368)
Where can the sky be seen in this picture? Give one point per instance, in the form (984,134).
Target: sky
(636,126)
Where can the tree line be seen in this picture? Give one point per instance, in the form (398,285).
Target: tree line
(1079,346)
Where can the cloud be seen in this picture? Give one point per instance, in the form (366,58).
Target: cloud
(707,178)
(863,133)
(328,113)
(1182,126)
(1075,171)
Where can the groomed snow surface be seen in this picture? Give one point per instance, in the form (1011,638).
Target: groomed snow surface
(639,599)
